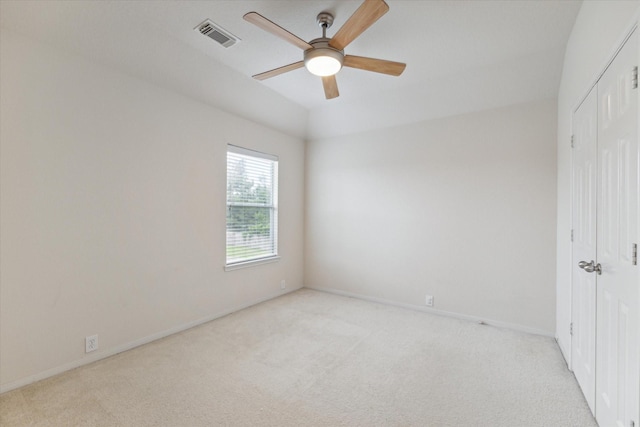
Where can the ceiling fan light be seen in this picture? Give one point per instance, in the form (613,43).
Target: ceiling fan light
(323,61)
(323,66)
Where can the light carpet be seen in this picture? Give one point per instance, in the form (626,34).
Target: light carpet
(315,359)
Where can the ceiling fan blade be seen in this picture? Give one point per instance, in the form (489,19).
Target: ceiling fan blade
(364,17)
(376,65)
(278,71)
(273,28)
(330,87)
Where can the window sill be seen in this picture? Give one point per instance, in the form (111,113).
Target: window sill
(245,264)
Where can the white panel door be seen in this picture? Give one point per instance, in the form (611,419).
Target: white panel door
(583,284)
(618,213)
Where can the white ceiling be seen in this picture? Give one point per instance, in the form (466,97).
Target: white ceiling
(461,55)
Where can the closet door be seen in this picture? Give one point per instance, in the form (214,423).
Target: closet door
(618,213)
(583,284)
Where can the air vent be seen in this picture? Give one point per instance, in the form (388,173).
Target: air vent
(217,33)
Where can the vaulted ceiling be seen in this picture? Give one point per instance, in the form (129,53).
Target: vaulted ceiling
(461,55)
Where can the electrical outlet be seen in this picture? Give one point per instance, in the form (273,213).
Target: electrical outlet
(283,284)
(90,343)
(429,300)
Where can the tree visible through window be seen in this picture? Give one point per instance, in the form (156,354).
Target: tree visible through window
(252,194)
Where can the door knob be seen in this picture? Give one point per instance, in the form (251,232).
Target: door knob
(590,267)
(597,268)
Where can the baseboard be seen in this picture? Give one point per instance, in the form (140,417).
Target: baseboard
(491,322)
(564,352)
(131,345)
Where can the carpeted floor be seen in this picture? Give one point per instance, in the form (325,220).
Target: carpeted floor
(314,359)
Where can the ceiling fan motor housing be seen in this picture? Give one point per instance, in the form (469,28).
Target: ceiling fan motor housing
(322,59)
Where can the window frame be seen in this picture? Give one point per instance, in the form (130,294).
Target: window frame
(273,209)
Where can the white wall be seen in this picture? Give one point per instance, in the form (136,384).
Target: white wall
(462,208)
(597,33)
(113,211)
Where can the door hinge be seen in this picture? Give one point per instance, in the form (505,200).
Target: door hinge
(634,254)
(634,78)
(572,235)
(572,140)
(571,328)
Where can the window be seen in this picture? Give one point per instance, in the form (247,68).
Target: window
(252,206)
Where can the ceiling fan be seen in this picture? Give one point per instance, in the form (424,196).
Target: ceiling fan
(324,56)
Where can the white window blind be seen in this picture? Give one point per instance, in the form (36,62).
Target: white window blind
(252,205)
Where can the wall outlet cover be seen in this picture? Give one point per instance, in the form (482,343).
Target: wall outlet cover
(90,343)
(429,301)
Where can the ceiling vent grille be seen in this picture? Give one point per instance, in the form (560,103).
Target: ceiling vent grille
(216,33)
